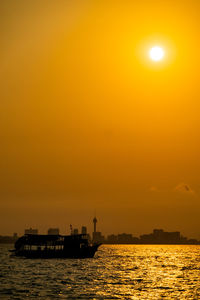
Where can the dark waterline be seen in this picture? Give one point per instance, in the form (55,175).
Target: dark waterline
(116,272)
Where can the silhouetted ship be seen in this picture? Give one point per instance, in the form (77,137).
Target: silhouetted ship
(55,246)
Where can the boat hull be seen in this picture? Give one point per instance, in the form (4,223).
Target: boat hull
(87,252)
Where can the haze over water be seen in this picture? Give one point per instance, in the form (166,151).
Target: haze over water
(116,272)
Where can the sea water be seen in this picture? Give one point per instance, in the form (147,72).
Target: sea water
(116,272)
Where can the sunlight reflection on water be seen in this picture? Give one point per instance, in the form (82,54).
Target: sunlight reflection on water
(116,272)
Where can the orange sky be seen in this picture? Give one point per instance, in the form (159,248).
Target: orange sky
(89,123)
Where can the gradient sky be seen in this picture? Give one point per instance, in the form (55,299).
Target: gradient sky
(88,122)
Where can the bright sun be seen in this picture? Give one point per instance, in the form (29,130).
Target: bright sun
(156,53)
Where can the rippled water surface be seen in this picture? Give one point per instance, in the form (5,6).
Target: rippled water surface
(116,272)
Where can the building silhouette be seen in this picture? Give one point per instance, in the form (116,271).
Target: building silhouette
(123,238)
(84,230)
(159,236)
(8,239)
(97,236)
(75,231)
(15,235)
(53,231)
(31,231)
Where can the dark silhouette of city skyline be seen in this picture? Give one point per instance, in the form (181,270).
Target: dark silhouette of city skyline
(158,236)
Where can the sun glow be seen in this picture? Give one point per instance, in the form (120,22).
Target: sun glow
(156,53)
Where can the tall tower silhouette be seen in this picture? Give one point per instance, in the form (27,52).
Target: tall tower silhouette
(95,224)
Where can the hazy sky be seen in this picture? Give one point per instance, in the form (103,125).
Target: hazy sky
(88,122)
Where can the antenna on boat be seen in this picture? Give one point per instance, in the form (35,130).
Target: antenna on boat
(71,229)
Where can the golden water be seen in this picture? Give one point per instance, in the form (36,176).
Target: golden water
(116,272)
